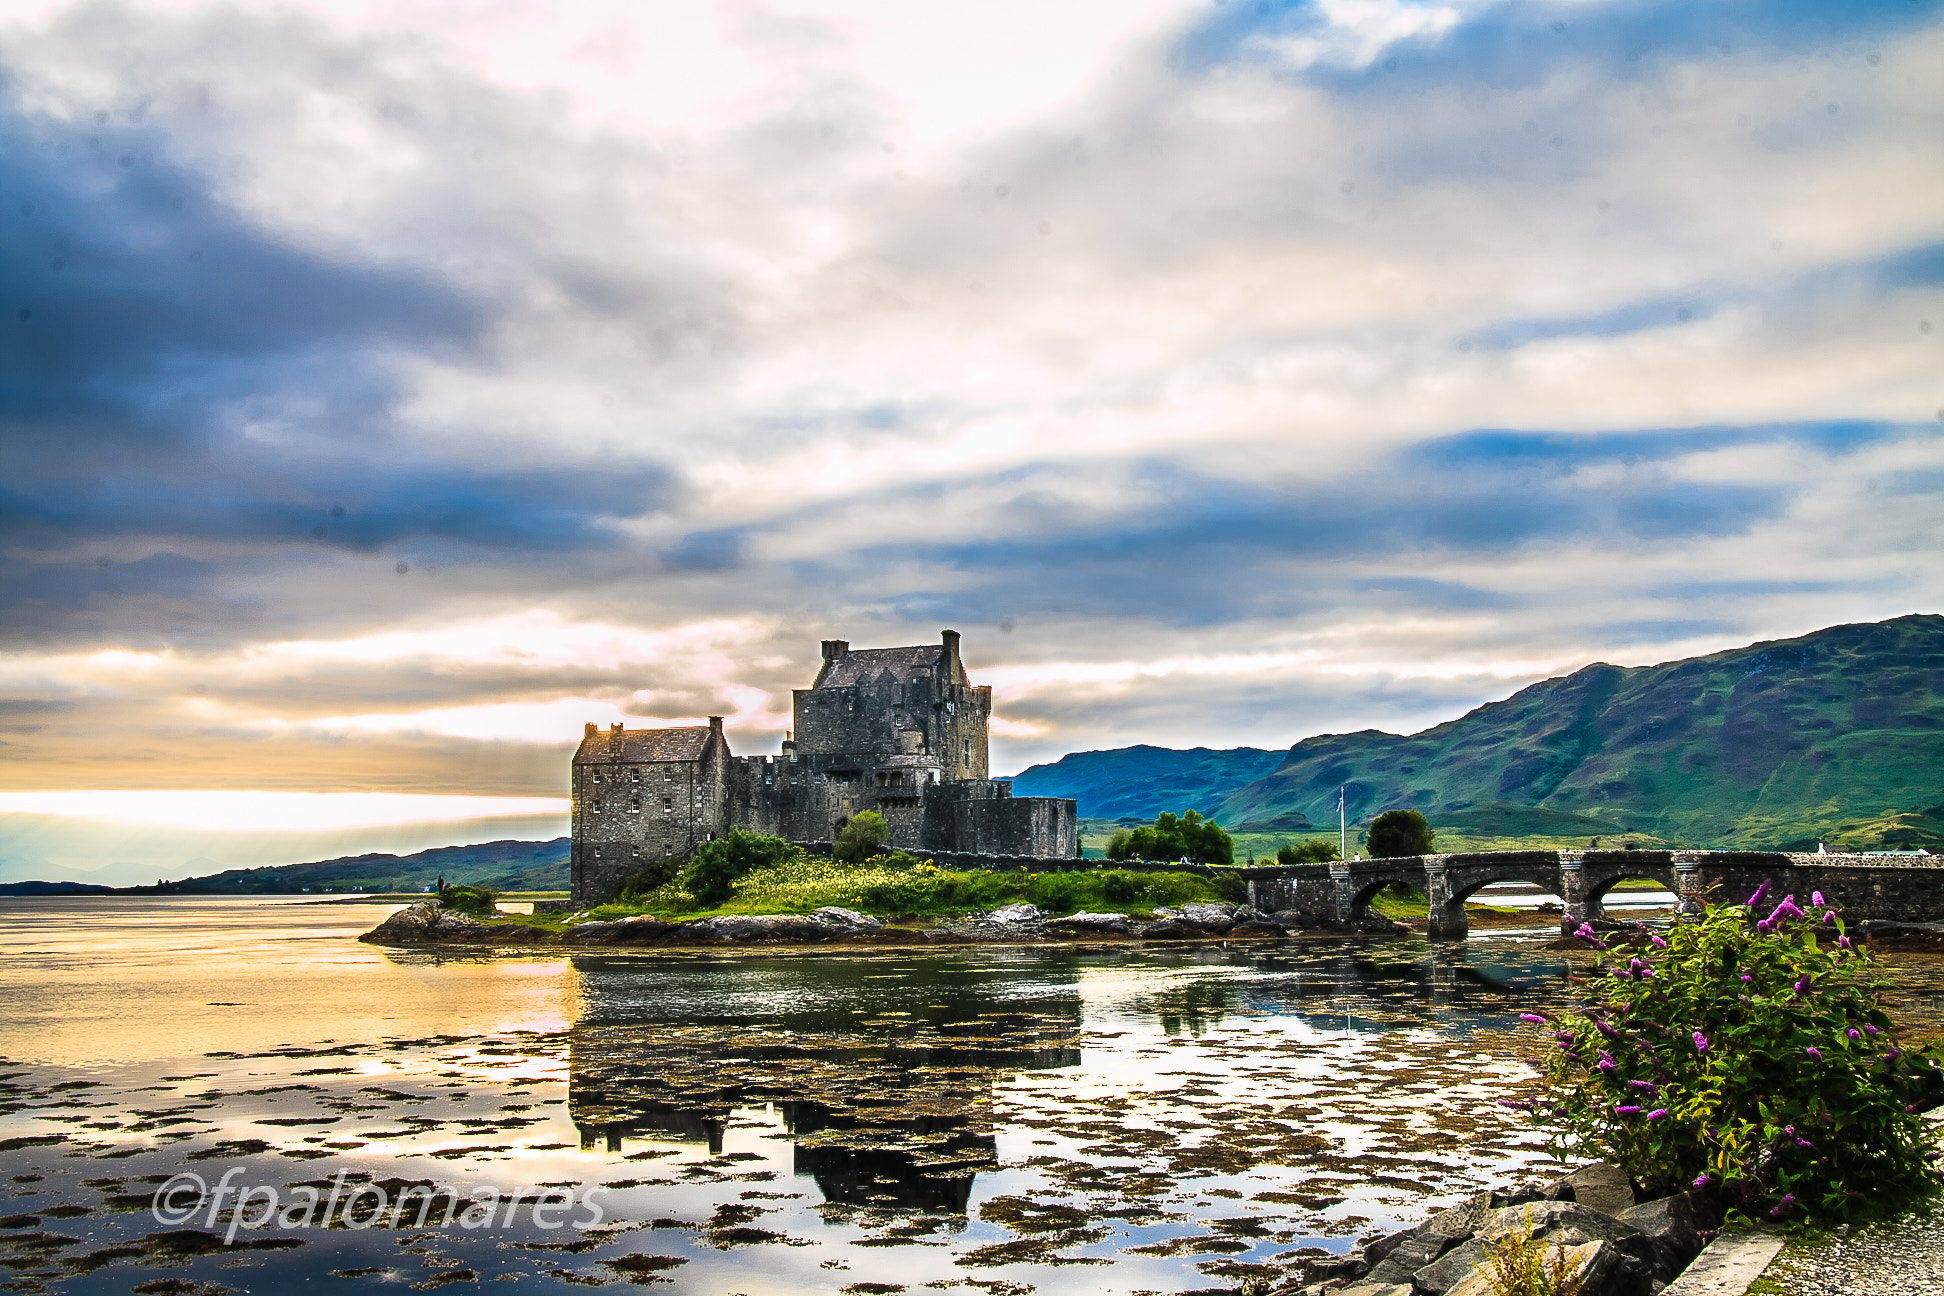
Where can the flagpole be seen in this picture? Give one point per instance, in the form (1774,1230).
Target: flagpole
(1343,825)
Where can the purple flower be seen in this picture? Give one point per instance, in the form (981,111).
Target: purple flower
(1648,1085)
(1703,1179)
(1658,942)
(1802,987)
(1855,1033)
(1815,898)
(1626,1111)
(1871,1029)
(1844,941)
(1829,915)
(1804,1143)
(1532,1017)
(1659,1113)
(1700,1042)
(1815,1053)
(1760,892)
(1782,1207)
(1787,909)
(1606,1062)
(1746,977)
(1585,931)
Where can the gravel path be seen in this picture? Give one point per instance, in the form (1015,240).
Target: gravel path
(1903,1258)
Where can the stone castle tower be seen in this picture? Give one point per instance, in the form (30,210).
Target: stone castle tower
(901,731)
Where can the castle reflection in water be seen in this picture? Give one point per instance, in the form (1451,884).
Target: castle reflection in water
(883,1106)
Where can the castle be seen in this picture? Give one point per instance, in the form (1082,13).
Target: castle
(901,731)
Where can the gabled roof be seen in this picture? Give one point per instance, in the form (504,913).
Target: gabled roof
(863,665)
(638,746)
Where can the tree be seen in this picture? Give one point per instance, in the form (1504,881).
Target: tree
(1399,832)
(860,838)
(716,865)
(1313,852)
(1169,837)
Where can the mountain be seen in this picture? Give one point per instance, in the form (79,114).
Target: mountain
(53,889)
(1141,782)
(501,865)
(1837,736)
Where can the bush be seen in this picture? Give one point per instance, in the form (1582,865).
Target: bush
(479,901)
(650,878)
(1741,1054)
(1399,832)
(1170,838)
(860,838)
(1313,852)
(715,866)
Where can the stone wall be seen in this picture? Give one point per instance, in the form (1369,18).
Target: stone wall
(1896,888)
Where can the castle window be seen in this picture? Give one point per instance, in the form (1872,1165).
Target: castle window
(668,805)
(636,807)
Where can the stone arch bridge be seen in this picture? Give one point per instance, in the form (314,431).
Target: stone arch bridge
(1901,888)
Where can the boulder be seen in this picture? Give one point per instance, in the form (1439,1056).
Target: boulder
(846,917)
(1380,1250)
(1411,1255)
(1171,929)
(1603,1185)
(411,924)
(639,930)
(1462,1220)
(1550,1217)
(1015,913)
(1674,1225)
(1451,1268)
(746,928)
(1213,916)
(1350,1267)
(451,923)
(1376,1289)
(1592,1262)
(599,932)
(1255,929)
(1092,923)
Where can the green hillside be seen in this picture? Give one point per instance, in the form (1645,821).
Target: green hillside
(501,865)
(1141,782)
(1837,736)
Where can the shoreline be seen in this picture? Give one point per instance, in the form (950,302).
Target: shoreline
(428,925)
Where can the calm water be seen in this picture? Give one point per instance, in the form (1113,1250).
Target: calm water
(1000,1120)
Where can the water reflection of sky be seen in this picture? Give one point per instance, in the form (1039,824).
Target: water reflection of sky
(1119,1119)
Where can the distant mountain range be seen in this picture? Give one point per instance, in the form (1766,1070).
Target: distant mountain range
(1141,782)
(1836,736)
(501,865)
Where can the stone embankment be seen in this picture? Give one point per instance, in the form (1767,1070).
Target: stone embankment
(429,923)
(1591,1219)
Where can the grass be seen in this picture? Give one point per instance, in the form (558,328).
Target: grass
(908,887)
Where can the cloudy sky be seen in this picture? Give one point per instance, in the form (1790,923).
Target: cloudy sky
(387,389)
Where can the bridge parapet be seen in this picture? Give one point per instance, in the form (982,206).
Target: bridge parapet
(1906,888)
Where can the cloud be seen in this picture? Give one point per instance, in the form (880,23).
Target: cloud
(417,391)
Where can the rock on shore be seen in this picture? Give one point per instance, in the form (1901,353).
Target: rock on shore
(429,923)
(1617,1246)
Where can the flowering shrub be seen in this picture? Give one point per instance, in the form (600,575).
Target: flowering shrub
(1742,1053)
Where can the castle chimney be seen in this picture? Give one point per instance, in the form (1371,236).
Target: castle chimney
(592,729)
(614,728)
(834,648)
(952,668)
(715,724)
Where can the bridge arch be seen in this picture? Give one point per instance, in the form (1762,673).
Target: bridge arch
(1367,888)
(1453,879)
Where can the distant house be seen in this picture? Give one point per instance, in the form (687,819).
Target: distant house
(901,731)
